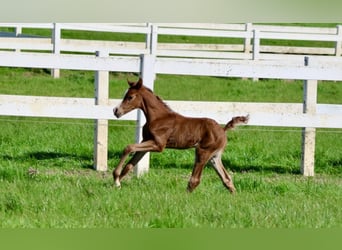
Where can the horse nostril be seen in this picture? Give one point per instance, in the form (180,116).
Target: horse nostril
(116,113)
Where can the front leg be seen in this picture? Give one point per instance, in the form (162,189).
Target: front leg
(139,147)
(132,162)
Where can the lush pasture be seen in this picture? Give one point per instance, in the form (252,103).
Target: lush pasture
(46,165)
(47,180)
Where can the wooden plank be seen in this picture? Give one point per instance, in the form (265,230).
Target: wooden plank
(295,29)
(252,69)
(262,114)
(26,43)
(299,36)
(104,28)
(163,49)
(127,48)
(200,47)
(59,107)
(28,25)
(204,54)
(211,26)
(317,61)
(75,62)
(208,33)
(296,50)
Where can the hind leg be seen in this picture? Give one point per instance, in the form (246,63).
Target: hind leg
(222,172)
(201,159)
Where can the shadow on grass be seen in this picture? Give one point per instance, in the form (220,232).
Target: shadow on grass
(231,166)
(83,160)
(87,161)
(260,168)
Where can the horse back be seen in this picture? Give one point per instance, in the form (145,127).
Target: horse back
(182,132)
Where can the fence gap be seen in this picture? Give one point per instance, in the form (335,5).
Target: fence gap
(101,126)
(309,134)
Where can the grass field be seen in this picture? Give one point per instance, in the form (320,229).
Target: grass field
(47,178)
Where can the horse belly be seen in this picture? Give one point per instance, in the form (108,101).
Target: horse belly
(183,138)
(181,144)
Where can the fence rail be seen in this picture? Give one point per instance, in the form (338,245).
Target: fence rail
(254,40)
(262,114)
(148,59)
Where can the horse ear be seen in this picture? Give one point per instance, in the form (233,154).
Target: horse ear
(139,83)
(136,85)
(131,84)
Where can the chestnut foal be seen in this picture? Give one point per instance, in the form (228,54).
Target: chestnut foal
(165,128)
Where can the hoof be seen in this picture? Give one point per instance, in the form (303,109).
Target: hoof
(232,190)
(117,184)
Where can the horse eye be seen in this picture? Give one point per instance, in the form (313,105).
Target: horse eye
(129,98)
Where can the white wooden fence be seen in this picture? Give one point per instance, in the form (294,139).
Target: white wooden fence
(308,114)
(249,47)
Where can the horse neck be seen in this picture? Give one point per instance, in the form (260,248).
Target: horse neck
(153,107)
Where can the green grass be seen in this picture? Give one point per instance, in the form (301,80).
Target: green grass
(47,180)
(85,199)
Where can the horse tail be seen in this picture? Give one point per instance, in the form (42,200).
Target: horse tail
(236,121)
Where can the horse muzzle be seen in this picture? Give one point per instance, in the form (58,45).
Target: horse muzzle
(117,112)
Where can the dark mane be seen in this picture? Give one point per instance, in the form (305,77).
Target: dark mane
(160,100)
(165,105)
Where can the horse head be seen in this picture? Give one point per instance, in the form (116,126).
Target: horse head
(132,99)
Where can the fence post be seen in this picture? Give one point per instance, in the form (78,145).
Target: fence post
(148,75)
(247,43)
(256,47)
(309,134)
(256,44)
(153,39)
(101,126)
(148,36)
(56,38)
(338,46)
(18,31)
